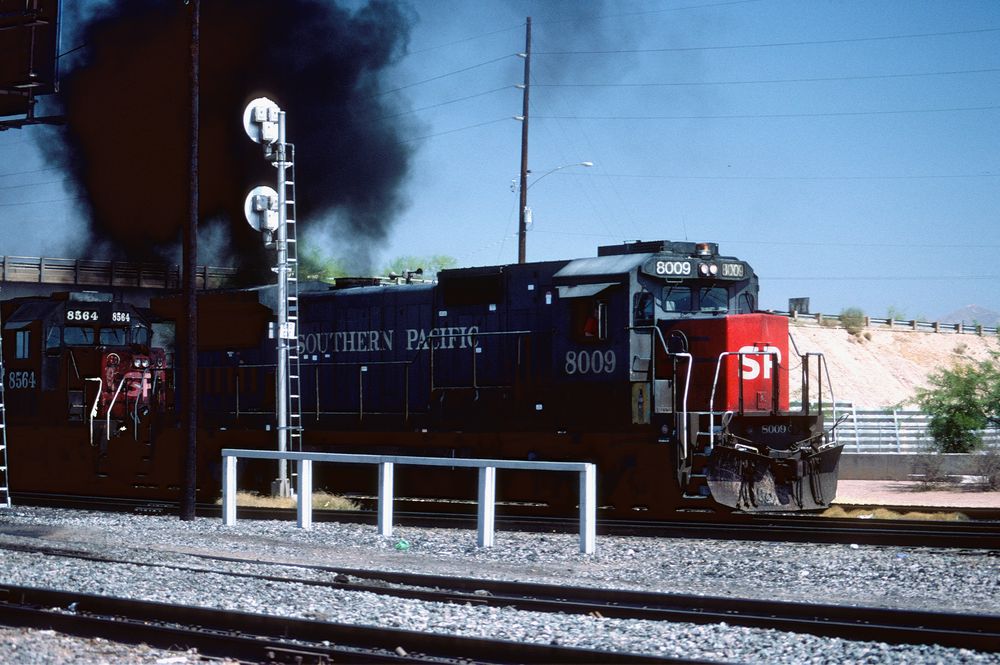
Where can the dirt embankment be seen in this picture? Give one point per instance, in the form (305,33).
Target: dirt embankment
(884,368)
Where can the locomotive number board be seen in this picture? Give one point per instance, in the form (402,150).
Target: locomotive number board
(93,316)
(669,267)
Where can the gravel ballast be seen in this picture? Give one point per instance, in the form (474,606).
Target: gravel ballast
(911,578)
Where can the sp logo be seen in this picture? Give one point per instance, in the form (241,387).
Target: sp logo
(752,363)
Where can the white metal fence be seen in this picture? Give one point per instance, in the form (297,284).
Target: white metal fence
(892,430)
(386,464)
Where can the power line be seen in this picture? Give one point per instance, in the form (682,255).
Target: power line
(28,203)
(667,176)
(793,243)
(566,20)
(458,129)
(754,116)
(36,184)
(465,39)
(883,278)
(450,101)
(441,76)
(650,11)
(889,245)
(14,173)
(818,42)
(817,79)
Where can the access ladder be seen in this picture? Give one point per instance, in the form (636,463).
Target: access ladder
(4,483)
(292,294)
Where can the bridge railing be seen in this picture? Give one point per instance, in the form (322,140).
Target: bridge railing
(873,323)
(88,272)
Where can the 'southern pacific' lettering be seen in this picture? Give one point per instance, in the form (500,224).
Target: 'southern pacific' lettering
(376,341)
(348,341)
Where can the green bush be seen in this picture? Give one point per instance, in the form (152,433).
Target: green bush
(853,320)
(960,401)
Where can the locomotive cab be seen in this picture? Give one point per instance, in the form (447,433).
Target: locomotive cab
(82,358)
(709,373)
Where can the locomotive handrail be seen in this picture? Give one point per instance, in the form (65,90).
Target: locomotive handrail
(687,379)
(107,431)
(475,385)
(135,409)
(739,371)
(487,486)
(93,411)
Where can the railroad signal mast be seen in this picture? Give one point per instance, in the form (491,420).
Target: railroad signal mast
(273,213)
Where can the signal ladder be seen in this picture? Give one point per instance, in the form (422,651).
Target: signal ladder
(4,484)
(292,294)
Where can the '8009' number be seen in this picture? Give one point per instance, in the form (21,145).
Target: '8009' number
(590,362)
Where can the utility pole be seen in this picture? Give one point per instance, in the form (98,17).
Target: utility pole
(190,480)
(522,226)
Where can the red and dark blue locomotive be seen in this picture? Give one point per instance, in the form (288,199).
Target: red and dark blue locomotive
(650,359)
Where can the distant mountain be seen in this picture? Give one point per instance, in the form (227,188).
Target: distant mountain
(971,314)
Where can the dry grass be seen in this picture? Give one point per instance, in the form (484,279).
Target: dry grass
(883,514)
(321,501)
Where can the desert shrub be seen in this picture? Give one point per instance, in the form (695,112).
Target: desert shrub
(987,466)
(931,469)
(853,320)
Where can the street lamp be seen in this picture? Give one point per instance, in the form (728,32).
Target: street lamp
(522,227)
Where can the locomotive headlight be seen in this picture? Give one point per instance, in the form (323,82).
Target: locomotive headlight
(714,269)
(135,363)
(145,363)
(703,270)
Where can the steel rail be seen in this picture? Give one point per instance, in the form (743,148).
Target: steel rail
(855,623)
(265,638)
(717,526)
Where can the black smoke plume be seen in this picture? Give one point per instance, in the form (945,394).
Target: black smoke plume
(126,100)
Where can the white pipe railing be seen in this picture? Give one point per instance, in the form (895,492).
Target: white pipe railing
(487,486)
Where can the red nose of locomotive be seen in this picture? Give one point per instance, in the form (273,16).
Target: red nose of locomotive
(128,381)
(740,361)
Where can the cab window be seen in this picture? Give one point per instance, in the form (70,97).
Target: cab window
(676,299)
(78,335)
(713,299)
(112,336)
(22,348)
(140,336)
(590,320)
(642,313)
(53,340)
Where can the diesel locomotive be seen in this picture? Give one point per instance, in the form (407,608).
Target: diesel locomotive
(651,360)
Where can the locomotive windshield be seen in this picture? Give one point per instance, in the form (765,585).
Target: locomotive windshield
(713,299)
(702,299)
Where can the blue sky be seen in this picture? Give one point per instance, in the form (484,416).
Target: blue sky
(848,149)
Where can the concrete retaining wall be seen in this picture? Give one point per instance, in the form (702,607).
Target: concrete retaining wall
(899,466)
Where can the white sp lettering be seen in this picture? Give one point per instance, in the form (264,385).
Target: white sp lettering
(752,363)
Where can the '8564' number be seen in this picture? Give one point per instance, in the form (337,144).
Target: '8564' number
(590,362)
(19,380)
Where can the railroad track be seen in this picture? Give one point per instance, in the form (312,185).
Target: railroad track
(978,534)
(898,626)
(266,639)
